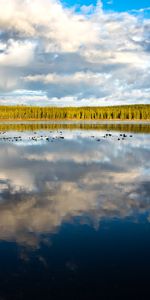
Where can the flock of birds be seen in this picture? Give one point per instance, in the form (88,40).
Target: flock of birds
(35,137)
(50,138)
(122,136)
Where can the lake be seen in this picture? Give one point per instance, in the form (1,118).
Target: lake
(74,210)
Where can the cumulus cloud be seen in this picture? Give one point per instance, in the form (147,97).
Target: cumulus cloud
(17,54)
(73,58)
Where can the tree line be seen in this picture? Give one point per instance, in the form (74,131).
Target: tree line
(124,112)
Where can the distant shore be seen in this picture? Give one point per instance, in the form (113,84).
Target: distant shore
(76,120)
(127,113)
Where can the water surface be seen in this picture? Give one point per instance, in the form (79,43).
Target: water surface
(74,211)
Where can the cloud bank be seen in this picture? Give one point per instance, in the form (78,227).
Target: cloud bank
(53,55)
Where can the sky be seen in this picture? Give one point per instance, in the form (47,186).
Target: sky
(74,53)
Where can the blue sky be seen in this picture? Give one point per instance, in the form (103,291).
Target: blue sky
(74,53)
(116,5)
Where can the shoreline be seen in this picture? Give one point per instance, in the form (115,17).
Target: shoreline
(76,120)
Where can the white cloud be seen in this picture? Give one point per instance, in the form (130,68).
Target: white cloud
(79,77)
(17,54)
(91,54)
(62,28)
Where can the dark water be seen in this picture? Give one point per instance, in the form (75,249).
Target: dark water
(75,213)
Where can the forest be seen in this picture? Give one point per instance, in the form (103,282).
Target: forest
(123,112)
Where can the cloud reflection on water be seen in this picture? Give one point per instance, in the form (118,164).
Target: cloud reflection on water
(42,187)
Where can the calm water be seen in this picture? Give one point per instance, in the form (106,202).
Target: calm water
(75,212)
